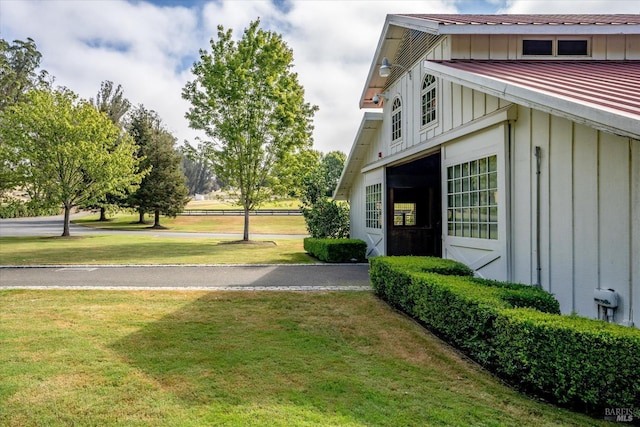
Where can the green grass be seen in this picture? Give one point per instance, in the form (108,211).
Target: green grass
(290,224)
(147,249)
(236,359)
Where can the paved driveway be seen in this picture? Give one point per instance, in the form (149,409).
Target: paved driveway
(193,277)
(52,226)
(196,277)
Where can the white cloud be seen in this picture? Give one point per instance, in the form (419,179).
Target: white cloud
(149,49)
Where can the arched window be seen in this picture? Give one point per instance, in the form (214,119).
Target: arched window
(428,96)
(396,120)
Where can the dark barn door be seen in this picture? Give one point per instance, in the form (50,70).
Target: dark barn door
(414,208)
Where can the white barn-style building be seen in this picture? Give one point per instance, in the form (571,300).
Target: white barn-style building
(510,143)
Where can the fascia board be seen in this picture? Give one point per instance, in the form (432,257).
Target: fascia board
(370,120)
(418,24)
(599,118)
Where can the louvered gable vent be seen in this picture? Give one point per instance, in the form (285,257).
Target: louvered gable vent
(412,48)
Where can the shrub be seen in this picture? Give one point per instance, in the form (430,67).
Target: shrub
(519,295)
(578,362)
(582,363)
(336,250)
(14,208)
(327,219)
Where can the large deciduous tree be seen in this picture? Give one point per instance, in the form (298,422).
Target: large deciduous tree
(66,152)
(163,190)
(248,100)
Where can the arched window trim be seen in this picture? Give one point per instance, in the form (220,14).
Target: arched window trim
(396,120)
(428,101)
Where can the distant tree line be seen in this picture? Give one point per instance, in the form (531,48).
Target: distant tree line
(102,153)
(65,152)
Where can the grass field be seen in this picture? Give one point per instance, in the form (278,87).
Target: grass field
(237,359)
(293,224)
(147,249)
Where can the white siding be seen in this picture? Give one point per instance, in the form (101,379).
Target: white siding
(589,210)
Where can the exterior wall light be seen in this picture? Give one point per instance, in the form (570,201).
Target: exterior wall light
(385,67)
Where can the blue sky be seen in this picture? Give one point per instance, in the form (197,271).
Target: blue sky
(148,46)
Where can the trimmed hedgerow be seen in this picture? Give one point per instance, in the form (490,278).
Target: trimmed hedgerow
(519,295)
(582,363)
(336,250)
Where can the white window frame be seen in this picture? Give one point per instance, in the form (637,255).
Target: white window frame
(396,121)
(472,198)
(373,206)
(431,88)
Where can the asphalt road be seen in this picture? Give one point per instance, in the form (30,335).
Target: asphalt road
(232,277)
(52,226)
(168,277)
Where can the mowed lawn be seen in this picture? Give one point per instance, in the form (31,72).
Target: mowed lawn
(149,246)
(102,358)
(258,224)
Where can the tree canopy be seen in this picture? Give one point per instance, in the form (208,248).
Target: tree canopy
(247,99)
(19,63)
(114,105)
(163,190)
(65,152)
(197,168)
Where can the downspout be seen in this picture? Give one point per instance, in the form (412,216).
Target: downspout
(538,154)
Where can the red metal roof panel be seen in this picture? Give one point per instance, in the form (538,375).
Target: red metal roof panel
(614,85)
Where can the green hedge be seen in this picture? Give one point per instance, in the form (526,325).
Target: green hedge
(336,250)
(582,363)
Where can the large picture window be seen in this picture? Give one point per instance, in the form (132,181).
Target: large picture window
(396,120)
(373,206)
(472,199)
(428,100)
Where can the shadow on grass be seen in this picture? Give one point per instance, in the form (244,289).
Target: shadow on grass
(250,356)
(284,358)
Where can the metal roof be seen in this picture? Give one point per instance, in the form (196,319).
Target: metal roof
(601,93)
(530,19)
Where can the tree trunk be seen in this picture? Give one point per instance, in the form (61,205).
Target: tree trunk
(67,216)
(103,214)
(245,235)
(156,219)
(141,215)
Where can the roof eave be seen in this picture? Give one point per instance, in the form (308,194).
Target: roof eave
(353,165)
(594,116)
(387,46)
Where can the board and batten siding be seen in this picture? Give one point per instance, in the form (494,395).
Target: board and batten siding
(509,46)
(589,208)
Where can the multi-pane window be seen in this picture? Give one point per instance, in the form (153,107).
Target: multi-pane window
(396,120)
(404,214)
(373,206)
(428,97)
(472,199)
